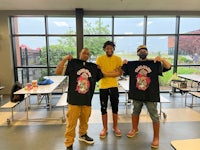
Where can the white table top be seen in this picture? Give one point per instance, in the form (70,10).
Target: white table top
(193,77)
(43,89)
(189,144)
(58,79)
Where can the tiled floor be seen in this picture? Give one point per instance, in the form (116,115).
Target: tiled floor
(181,123)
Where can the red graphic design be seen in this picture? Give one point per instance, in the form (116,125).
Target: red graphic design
(143,80)
(83,84)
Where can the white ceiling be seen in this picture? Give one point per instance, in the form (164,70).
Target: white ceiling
(102,5)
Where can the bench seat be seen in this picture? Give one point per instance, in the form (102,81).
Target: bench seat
(62,102)
(12,105)
(194,94)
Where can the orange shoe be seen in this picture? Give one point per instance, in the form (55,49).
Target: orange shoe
(117,132)
(103,133)
(131,133)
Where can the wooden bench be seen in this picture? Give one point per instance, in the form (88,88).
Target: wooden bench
(62,102)
(11,105)
(194,94)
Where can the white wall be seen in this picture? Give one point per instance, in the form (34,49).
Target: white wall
(6,63)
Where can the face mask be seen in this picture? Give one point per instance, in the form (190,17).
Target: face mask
(143,55)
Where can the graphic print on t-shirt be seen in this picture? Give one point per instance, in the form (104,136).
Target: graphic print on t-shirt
(83,84)
(142,79)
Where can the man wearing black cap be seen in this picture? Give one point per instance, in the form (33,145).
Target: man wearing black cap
(144,88)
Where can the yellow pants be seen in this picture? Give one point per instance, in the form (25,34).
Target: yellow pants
(74,113)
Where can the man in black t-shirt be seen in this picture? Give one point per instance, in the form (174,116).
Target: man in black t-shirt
(144,88)
(83,76)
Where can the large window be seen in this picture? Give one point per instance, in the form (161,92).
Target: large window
(130,32)
(129,25)
(189,46)
(41,42)
(96,31)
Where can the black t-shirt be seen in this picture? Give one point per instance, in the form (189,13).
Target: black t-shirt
(143,76)
(82,80)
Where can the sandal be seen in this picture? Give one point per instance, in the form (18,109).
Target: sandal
(131,133)
(103,133)
(117,132)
